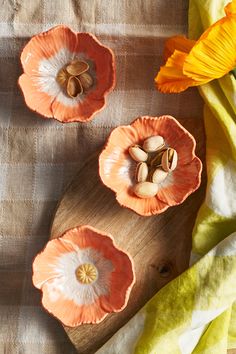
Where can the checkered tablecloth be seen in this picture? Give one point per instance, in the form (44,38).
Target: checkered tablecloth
(38,157)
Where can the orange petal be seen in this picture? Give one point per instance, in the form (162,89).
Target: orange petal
(230,9)
(122,280)
(87,236)
(45,45)
(44,265)
(174,134)
(68,312)
(116,168)
(171,78)
(144,207)
(214,54)
(49,106)
(82,111)
(181,183)
(104,61)
(35,99)
(179,43)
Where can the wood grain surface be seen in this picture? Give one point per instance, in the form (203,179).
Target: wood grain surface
(160,245)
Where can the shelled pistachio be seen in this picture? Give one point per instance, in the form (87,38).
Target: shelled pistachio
(159,175)
(86,80)
(137,153)
(153,143)
(141,172)
(145,189)
(169,160)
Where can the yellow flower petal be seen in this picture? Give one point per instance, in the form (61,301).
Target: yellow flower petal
(230,9)
(180,43)
(214,54)
(171,78)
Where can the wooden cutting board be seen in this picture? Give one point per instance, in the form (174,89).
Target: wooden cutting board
(160,245)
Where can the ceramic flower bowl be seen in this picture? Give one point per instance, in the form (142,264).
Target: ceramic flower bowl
(66,74)
(150,164)
(83,276)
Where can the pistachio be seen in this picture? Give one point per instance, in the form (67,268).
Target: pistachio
(77,67)
(145,189)
(153,143)
(137,153)
(62,77)
(141,172)
(86,81)
(159,175)
(169,160)
(74,87)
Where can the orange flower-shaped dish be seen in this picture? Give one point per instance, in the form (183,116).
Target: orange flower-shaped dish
(66,74)
(83,276)
(117,169)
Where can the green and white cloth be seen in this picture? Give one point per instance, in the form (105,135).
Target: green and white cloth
(196,312)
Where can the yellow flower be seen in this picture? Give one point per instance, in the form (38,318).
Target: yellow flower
(193,63)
